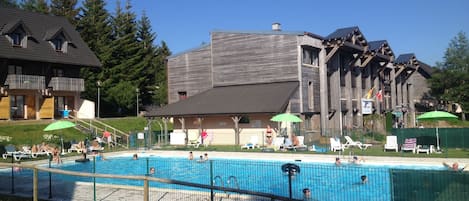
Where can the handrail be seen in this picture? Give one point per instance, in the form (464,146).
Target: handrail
(116,133)
(144,178)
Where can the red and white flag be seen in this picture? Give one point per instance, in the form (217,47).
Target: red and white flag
(379,95)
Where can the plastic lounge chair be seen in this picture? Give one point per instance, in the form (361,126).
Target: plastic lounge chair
(336,145)
(391,143)
(195,143)
(16,154)
(301,145)
(253,143)
(410,144)
(279,143)
(358,144)
(76,148)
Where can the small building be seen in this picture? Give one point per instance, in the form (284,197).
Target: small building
(40,61)
(235,84)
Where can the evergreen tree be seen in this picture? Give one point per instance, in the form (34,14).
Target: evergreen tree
(450,83)
(65,8)
(94,27)
(39,6)
(8,4)
(126,70)
(162,52)
(145,38)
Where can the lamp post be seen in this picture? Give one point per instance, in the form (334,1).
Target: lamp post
(137,90)
(98,83)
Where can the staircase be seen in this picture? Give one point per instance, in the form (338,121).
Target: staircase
(97,127)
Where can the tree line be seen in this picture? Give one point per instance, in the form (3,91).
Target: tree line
(450,79)
(132,64)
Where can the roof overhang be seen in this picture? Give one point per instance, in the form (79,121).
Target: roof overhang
(269,98)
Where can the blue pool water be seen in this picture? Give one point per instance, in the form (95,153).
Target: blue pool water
(326,181)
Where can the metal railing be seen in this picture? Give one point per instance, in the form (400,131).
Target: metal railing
(67,84)
(96,127)
(146,189)
(15,81)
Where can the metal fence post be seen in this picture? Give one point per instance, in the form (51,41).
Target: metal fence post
(94,178)
(50,178)
(35,184)
(12,175)
(211,180)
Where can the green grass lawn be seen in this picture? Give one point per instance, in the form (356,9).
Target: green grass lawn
(30,132)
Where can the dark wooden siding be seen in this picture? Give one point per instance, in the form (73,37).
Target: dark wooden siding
(189,72)
(420,85)
(310,74)
(243,58)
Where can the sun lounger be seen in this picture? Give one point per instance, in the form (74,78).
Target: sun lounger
(358,144)
(410,144)
(253,143)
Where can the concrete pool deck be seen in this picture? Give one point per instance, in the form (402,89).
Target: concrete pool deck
(78,191)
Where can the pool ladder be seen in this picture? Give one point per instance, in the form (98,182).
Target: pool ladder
(232,182)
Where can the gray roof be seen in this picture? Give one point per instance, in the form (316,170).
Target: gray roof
(237,99)
(404,58)
(342,33)
(42,27)
(425,68)
(375,45)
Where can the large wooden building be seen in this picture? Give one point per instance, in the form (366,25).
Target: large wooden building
(40,61)
(236,83)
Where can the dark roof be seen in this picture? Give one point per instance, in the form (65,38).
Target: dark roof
(43,26)
(375,45)
(426,68)
(236,99)
(405,58)
(342,33)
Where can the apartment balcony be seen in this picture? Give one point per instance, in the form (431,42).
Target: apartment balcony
(32,82)
(67,84)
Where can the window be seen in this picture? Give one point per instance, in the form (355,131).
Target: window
(182,95)
(58,42)
(310,56)
(58,72)
(244,120)
(310,95)
(12,69)
(16,39)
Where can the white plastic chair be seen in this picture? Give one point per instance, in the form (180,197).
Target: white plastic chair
(253,143)
(336,145)
(358,144)
(391,143)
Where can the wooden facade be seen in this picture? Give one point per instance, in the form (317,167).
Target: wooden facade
(335,73)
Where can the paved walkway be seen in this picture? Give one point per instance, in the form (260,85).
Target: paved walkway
(81,191)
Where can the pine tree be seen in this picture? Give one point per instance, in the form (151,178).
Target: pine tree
(8,4)
(127,68)
(65,8)
(39,6)
(160,62)
(94,27)
(145,38)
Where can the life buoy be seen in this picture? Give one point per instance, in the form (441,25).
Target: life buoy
(290,168)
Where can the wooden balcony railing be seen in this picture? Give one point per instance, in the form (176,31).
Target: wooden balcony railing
(67,84)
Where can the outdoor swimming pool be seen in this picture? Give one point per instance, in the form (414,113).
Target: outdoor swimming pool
(326,181)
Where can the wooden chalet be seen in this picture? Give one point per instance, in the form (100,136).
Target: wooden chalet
(226,86)
(40,61)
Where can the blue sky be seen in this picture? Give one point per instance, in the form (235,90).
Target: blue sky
(423,27)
